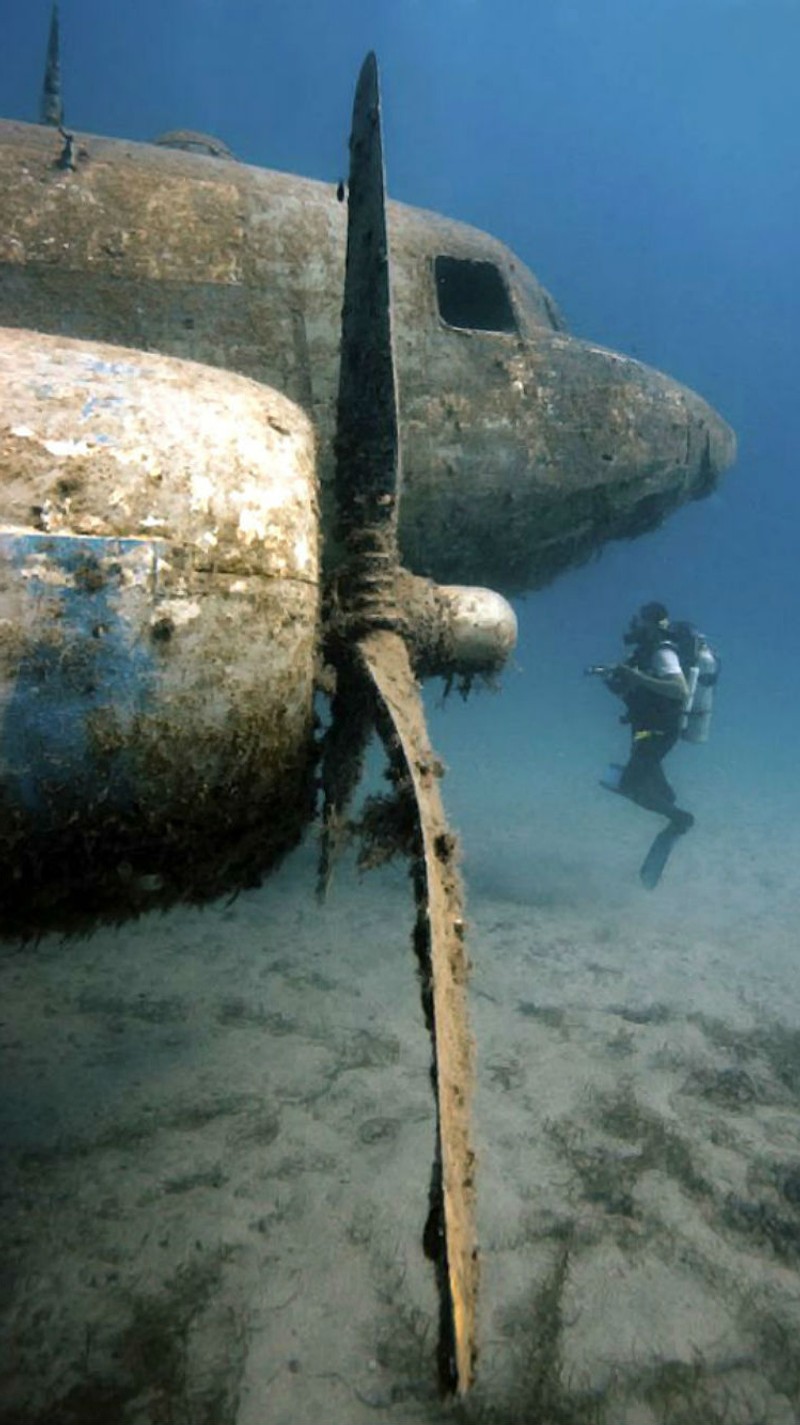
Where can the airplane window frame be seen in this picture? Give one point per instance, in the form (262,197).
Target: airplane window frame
(460,300)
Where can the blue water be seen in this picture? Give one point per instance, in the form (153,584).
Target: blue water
(641,157)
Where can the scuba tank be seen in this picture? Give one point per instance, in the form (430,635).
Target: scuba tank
(702,677)
(701,668)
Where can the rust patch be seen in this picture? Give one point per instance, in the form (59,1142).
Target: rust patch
(450,1236)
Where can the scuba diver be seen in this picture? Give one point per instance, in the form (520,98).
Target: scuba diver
(666,685)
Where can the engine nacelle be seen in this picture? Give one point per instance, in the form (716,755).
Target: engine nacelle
(159,624)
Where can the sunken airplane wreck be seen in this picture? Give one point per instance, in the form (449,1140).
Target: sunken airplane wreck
(203,522)
(170,367)
(171,535)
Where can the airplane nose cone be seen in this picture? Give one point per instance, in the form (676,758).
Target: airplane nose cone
(566,446)
(621,446)
(642,441)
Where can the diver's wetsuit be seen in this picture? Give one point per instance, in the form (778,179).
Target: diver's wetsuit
(643,779)
(655,728)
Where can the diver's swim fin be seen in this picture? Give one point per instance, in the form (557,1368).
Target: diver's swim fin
(658,855)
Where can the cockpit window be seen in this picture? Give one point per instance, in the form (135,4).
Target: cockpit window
(473,295)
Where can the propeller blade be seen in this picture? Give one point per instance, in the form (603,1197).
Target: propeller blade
(367,449)
(376,687)
(367,462)
(450,1237)
(343,749)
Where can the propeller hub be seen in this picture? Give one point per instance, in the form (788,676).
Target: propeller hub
(481,626)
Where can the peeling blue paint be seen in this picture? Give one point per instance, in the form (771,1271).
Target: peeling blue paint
(113,368)
(84,603)
(93,404)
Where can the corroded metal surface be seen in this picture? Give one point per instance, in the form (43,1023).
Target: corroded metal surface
(366,447)
(451,1237)
(523,450)
(158,629)
(376,687)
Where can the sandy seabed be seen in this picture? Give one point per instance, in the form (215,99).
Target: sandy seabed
(218,1133)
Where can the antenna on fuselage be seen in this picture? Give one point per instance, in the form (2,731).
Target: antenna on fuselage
(52,107)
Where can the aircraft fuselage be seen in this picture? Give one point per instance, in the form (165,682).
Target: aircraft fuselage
(524,449)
